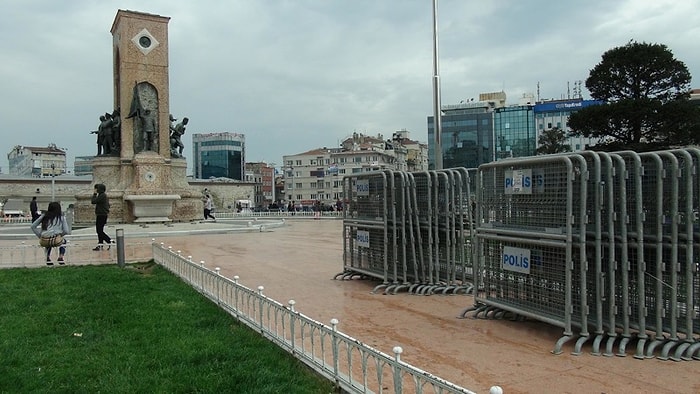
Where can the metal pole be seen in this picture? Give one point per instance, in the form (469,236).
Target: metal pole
(437,113)
(120,248)
(53,189)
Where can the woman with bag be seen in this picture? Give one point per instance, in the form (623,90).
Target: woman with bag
(51,228)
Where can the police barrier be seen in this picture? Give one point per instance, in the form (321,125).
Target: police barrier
(612,248)
(419,243)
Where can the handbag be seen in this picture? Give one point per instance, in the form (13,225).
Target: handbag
(51,240)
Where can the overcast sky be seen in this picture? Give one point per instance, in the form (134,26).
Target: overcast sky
(294,75)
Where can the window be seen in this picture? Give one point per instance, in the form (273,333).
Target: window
(298,162)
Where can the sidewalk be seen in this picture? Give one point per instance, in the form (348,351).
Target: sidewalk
(298,260)
(22,231)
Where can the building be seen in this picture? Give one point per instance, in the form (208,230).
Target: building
(555,113)
(219,155)
(467,134)
(37,161)
(317,175)
(410,155)
(83,165)
(263,176)
(515,132)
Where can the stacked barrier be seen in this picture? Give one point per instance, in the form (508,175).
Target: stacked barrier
(411,230)
(604,243)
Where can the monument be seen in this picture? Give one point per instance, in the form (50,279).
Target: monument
(145,176)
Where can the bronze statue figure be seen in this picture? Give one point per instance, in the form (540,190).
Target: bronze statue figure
(176,132)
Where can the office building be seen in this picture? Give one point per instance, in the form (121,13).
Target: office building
(515,132)
(467,136)
(555,113)
(218,155)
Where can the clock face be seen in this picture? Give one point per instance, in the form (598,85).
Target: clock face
(145,41)
(149,176)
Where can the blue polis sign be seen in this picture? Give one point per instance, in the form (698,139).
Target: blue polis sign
(565,106)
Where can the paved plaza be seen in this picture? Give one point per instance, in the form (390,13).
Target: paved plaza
(298,260)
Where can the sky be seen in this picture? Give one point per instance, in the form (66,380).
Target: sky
(294,75)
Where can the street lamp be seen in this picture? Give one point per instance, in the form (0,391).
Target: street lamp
(53,189)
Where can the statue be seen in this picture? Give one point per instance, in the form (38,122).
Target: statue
(148,129)
(104,135)
(116,131)
(176,133)
(144,110)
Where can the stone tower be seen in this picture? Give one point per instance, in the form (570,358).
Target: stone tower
(144,183)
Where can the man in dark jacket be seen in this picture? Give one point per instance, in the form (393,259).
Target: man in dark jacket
(34,209)
(101,202)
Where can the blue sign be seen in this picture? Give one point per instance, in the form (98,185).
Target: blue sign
(565,106)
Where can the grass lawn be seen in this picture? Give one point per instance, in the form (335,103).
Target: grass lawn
(104,329)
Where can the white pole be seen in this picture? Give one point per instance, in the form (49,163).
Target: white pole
(437,113)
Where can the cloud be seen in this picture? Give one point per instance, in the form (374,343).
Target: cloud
(297,75)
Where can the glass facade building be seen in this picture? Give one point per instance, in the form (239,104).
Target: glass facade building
(515,132)
(467,135)
(219,155)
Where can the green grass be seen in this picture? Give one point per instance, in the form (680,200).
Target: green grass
(104,329)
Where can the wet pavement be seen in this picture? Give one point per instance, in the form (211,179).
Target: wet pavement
(298,259)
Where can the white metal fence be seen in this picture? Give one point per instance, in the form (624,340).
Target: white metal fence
(353,366)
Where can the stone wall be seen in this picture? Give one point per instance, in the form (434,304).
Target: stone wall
(67,190)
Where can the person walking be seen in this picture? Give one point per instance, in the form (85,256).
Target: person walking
(50,224)
(34,209)
(208,206)
(101,203)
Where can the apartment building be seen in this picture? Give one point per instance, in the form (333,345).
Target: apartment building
(37,162)
(317,175)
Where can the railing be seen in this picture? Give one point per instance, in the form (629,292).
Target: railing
(28,253)
(280,214)
(353,366)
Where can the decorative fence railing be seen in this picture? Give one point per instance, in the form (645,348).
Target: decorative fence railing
(28,253)
(353,366)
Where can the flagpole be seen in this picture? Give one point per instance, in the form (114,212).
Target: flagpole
(437,113)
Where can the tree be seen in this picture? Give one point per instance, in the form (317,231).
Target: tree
(646,90)
(552,141)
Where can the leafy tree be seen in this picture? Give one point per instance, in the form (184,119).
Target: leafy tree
(646,90)
(552,141)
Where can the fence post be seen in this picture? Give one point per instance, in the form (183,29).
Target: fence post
(292,324)
(260,292)
(218,285)
(398,389)
(336,352)
(235,294)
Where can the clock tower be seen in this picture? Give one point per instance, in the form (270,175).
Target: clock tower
(144,183)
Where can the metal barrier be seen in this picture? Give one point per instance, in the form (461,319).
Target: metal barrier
(353,366)
(607,243)
(412,231)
